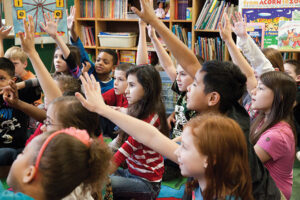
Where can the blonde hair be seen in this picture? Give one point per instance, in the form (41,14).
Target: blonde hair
(16,52)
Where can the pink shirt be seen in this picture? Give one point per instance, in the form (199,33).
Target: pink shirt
(279,143)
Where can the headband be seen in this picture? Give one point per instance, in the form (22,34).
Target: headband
(81,135)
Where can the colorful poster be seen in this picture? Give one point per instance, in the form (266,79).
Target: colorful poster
(257,33)
(289,35)
(269,12)
(37,8)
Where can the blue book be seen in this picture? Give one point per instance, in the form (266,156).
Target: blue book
(200,46)
(190,40)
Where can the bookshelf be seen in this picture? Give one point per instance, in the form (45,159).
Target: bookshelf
(113,24)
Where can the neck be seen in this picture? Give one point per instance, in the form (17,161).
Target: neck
(202,184)
(104,77)
(34,191)
(23,73)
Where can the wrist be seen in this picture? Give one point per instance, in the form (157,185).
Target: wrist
(243,36)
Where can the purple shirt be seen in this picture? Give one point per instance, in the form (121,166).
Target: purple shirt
(279,143)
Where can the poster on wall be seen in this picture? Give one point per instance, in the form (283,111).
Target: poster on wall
(269,12)
(36,8)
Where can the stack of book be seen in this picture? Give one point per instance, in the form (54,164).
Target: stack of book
(88,35)
(114,9)
(180,8)
(210,48)
(184,35)
(212,13)
(87,8)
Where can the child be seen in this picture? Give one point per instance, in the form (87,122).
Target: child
(292,68)
(17,56)
(212,90)
(145,167)
(13,122)
(181,80)
(272,131)
(273,97)
(66,58)
(202,153)
(46,170)
(116,96)
(106,60)
(160,11)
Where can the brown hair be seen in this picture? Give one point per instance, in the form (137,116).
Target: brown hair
(222,140)
(16,52)
(124,67)
(71,113)
(275,57)
(284,89)
(67,84)
(67,162)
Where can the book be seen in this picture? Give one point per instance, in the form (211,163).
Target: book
(182,6)
(257,32)
(210,48)
(127,57)
(289,35)
(269,13)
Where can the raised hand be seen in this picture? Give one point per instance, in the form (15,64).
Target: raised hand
(51,25)
(225,31)
(239,25)
(27,39)
(93,100)
(4,33)
(146,13)
(151,32)
(10,94)
(142,23)
(85,67)
(71,17)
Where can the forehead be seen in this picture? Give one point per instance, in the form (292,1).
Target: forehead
(132,78)
(4,73)
(187,136)
(119,73)
(15,60)
(58,51)
(104,55)
(289,67)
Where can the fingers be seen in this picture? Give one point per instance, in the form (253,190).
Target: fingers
(81,98)
(67,12)
(43,25)
(136,11)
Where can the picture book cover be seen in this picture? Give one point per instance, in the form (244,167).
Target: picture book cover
(37,9)
(257,33)
(289,35)
(269,13)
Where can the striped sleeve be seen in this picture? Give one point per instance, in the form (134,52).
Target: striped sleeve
(125,151)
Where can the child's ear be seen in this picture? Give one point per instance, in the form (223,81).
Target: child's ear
(29,174)
(214,98)
(25,64)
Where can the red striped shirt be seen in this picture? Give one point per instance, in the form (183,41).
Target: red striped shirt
(141,160)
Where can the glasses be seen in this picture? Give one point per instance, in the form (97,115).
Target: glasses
(47,123)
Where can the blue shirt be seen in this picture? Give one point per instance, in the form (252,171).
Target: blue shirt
(85,57)
(9,195)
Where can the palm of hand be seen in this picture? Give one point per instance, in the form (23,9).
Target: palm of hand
(51,28)
(70,21)
(239,28)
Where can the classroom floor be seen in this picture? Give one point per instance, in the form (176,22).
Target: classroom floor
(296,183)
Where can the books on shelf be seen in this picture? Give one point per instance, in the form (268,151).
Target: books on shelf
(87,8)
(182,34)
(114,9)
(180,9)
(127,56)
(269,13)
(257,32)
(289,35)
(88,33)
(210,48)
(212,13)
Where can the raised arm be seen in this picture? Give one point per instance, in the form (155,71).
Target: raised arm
(48,85)
(142,52)
(257,59)
(236,55)
(151,137)
(3,35)
(184,56)
(70,23)
(10,96)
(164,58)
(51,29)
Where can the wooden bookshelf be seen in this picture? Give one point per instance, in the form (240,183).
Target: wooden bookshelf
(131,25)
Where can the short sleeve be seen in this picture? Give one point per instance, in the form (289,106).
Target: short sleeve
(273,143)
